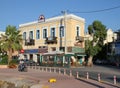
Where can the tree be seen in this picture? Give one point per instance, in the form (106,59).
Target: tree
(11,41)
(98,33)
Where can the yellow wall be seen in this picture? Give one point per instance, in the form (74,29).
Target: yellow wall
(70,25)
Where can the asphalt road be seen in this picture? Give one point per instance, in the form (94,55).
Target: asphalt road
(107,73)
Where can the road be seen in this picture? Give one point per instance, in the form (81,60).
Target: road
(107,73)
(39,79)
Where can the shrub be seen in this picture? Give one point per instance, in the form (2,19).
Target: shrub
(4,60)
(14,61)
(11,65)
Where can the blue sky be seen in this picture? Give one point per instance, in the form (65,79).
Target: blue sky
(15,12)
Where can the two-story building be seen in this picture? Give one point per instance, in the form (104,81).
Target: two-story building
(56,40)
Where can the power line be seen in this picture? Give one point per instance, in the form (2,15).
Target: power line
(94,11)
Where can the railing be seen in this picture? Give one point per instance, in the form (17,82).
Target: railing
(80,38)
(29,42)
(51,39)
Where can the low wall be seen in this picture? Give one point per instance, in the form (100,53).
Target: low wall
(3,66)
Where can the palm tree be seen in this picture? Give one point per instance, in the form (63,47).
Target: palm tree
(11,41)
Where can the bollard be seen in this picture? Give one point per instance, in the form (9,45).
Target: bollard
(70,73)
(99,77)
(35,66)
(54,70)
(77,75)
(45,69)
(50,69)
(32,67)
(42,69)
(114,79)
(59,71)
(64,71)
(87,75)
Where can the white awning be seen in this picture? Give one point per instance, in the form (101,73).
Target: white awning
(54,53)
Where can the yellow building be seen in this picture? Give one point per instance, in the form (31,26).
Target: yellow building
(60,36)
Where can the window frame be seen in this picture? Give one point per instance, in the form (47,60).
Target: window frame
(24,35)
(61,31)
(37,34)
(77,30)
(53,34)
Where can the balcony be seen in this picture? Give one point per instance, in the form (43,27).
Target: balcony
(51,40)
(80,38)
(43,49)
(29,42)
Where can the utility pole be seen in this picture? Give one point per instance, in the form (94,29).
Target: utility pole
(64,14)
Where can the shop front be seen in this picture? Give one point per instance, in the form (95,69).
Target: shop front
(56,59)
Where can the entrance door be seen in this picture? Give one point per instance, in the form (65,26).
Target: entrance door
(31,57)
(38,58)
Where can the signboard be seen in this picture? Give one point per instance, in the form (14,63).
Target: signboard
(21,51)
(41,18)
(31,51)
(78,50)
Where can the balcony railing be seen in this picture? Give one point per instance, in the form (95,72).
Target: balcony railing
(29,42)
(51,40)
(80,38)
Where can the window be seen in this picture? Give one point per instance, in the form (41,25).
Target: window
(78,31)
(53,48)
(24,35)
(37,34)
(52,32)
(31,34)
(44,33)
(61,31)
(62,49)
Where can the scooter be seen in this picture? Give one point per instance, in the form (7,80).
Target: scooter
(22,67)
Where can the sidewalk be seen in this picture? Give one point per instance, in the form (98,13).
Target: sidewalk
(37,79)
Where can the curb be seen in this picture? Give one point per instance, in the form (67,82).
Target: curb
(103,82)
